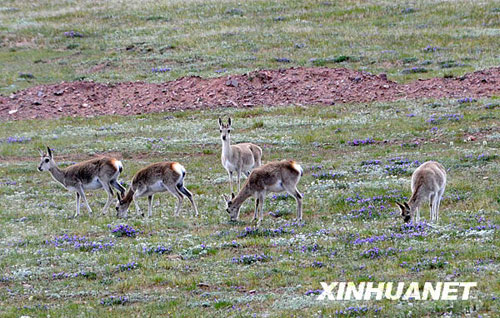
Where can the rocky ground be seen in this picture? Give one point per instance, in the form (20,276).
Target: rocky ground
(266,87)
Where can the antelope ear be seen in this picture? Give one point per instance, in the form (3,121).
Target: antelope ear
(407,206)
(220,122)
(226,199)
(232,195)
(49,152)
(40,151)
(401,207)
(119,196)
(229,121)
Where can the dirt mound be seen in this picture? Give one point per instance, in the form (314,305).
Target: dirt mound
(268,87)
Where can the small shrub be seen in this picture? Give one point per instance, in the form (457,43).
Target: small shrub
(208,151)
(234,11)
(408,60)
(250,259)
(258,124)
(324,61)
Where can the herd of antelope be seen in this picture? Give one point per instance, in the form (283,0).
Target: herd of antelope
(427,183)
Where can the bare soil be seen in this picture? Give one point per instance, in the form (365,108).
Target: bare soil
(298,86)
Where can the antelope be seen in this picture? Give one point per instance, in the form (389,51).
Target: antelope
(427,182)
(92,174)
(239,158)
(157,177)
(276,176)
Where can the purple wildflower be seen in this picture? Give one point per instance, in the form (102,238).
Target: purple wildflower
(161,69)
(360,142)
(12,140)
(73,34)
(114,300)
(123,230)
(127,267)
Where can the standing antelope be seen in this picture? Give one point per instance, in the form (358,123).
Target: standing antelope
(238,158)
(157,177)
(427,183)
(277,176)
(92,174)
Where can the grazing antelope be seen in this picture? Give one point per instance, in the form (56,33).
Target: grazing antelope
(157,177)
(427,183)
(277,176)
(238,158)
(92,174)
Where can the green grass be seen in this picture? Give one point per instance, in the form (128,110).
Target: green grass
(196,275)
(124,40)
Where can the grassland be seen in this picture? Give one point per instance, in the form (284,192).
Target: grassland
(56,265)
(125,40)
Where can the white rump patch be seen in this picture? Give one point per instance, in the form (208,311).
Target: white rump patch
(177,167)
(297,167)
(118,165)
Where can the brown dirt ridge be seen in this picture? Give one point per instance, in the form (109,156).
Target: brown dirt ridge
(299,86)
